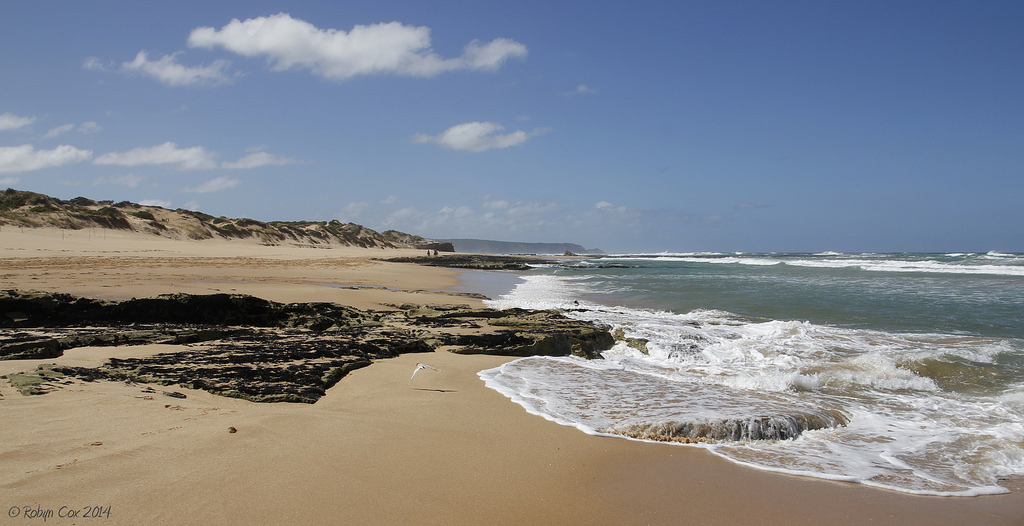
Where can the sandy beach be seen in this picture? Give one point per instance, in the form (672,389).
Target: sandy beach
(379,448)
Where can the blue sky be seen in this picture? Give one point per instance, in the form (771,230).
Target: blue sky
(626,126)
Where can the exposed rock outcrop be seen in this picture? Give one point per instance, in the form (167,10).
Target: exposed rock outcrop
(247,347)
(473,261)
(517,332)
(45,309)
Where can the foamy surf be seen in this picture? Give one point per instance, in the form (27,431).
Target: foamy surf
(991,263)
(920,412)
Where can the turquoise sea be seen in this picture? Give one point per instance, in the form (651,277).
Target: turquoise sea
(903,371)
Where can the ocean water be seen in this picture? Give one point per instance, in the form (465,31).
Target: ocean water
(902,371)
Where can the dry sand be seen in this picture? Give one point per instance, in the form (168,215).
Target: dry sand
(378,449)
(121,265)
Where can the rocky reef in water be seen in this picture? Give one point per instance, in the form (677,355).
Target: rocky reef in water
(473,261)
(762,427)
(247,347)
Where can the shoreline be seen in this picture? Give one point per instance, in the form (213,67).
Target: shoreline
(378,448)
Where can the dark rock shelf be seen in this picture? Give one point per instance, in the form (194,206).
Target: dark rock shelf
(473,261)
(259,350)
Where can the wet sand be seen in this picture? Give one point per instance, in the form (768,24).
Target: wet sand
(379,448)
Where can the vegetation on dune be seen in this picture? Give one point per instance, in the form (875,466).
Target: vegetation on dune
(145,214)
(30,209)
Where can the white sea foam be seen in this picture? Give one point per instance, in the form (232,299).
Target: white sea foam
(1005,264)
(907,418)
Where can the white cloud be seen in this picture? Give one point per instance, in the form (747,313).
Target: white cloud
(9,121)
(391,47)
(59,130)
(9,181)
(389,200)
(477,137)
(94,64)
(155,202)
(489,56)
(194,158)
(213,185)
(26,158)
(168,71)
(257,159)
(608,207)
(130,180)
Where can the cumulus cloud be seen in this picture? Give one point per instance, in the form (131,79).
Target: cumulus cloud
(213,185)
(257,159)
(26,158)
(168,71)
(392,47)
(194,158)
(477,137)
(9,121)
